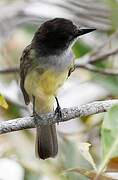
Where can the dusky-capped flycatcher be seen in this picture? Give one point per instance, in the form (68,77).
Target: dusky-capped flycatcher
(44,66)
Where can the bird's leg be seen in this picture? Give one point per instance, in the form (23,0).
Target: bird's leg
(34,112)
(36,116)
(58,112)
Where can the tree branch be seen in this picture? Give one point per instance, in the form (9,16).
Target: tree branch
(47,119)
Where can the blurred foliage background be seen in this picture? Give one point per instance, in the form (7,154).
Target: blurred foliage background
(18,22)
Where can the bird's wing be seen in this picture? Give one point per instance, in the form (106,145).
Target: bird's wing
(72,66)
(25,64)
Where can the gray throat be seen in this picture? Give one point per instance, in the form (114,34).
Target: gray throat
(58,62)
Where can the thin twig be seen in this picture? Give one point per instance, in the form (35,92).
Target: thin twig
(93,68)
(103,56)
(48,119)
(90,58)
(9,70)
(86,62)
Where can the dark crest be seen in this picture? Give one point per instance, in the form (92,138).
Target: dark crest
(55,35)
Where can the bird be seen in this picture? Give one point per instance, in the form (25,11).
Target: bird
(45,65)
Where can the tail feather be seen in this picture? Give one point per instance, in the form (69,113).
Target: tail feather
(46,144)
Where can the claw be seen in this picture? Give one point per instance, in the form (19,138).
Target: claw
(58,112)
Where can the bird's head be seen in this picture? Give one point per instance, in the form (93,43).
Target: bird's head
(57,35)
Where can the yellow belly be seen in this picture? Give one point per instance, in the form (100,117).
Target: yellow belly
(44,87)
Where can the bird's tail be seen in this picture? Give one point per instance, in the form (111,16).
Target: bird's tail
(46,142)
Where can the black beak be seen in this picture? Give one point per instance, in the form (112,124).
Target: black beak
(84,31)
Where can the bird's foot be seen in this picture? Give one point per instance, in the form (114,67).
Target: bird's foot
(58,112)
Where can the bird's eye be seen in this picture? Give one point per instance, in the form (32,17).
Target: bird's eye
(71,37)
(74,28)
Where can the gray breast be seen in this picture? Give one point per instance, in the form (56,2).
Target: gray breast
(57,62)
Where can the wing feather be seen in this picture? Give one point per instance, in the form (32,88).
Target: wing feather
(25,64)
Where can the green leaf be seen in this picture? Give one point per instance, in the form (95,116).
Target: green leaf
(109,136)
(80,48)
(3,102)
(109,131)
